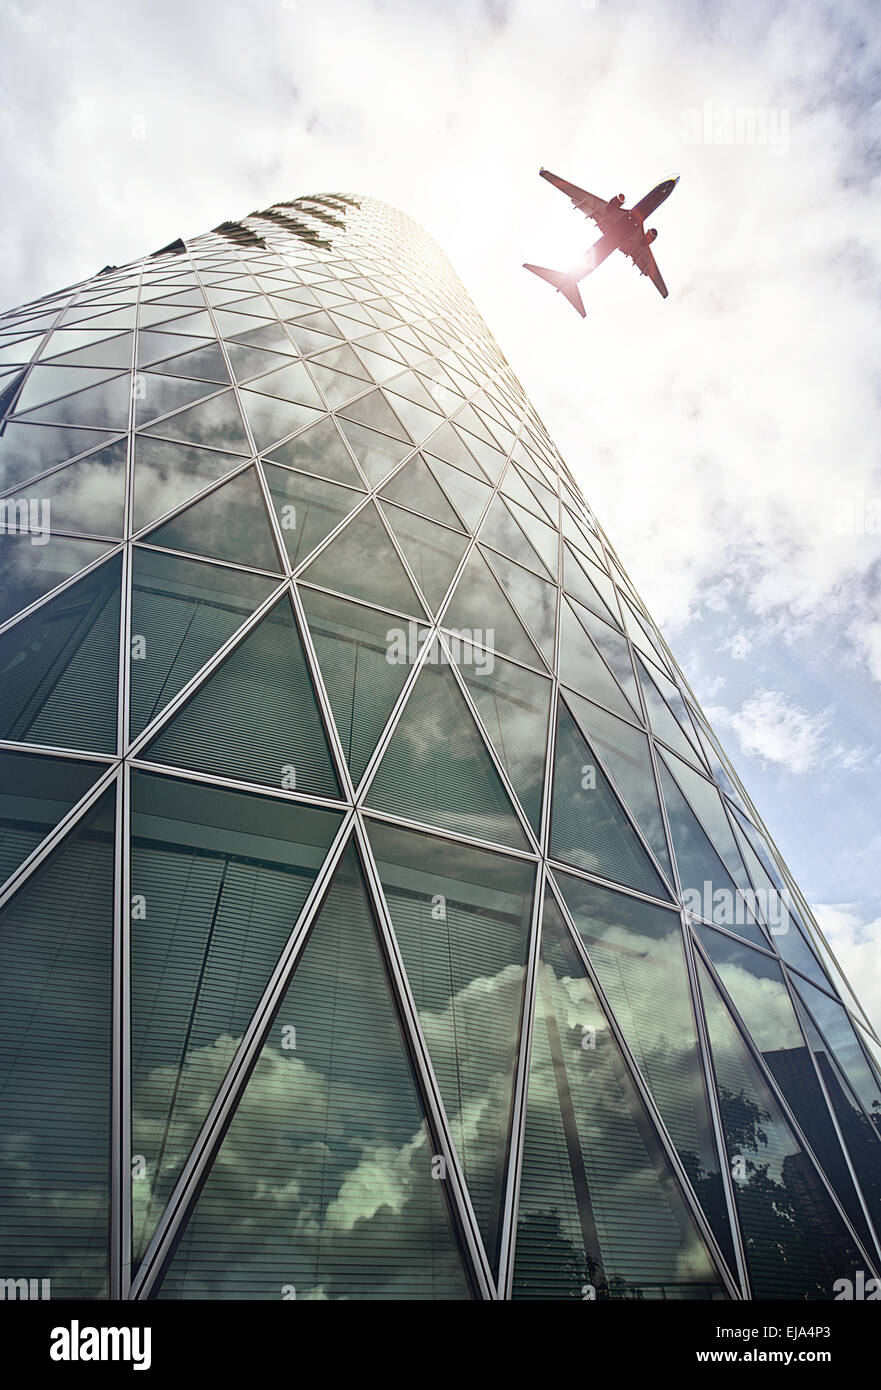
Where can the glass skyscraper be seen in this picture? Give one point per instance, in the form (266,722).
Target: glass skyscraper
(380,916)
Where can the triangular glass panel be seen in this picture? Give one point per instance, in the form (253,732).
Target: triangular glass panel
(31,565)
(542,537)
(167,474)
(582,667)
(638,954)
(256,717)
(290,383)
(182,613)
(319,450)
(612,646)
(419,421)
(758,992)
(601,1215)
(832,1018)
(361,561)
(47,383)
(708,890)
(449,448)
(88,496)
(376,453)
(59,667)
(102,407)
(204,364)
(859,1131)
(514,705)
(796,1242)
(706,803)
(437,770)
(500,530)
(533,597)
(35,794)
(28,450)
(478,593)
(55,1117)
(249,362)
(291,1202)
(461,918)
(625,752)
(433,552)
(661,718)
(577,582)
(415,487)
(468,495)
(155,347)
(158,395)
(272,419)
(362,666)
(223,877)
(215,423)
(229,523)
(588,827)
(308,508)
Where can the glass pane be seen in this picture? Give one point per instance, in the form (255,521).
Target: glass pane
(308,508)
(59,667)
(31,565)
(167,474)
(514,705)
(601,1215)
(218,880)
(182,613)
(638,954)
(55,1116)
(534,599)
(256,717)
(436,768)
(215,423)
(88,496)
(432,552)
(35,794)
(796,1242)
(468,496)
(415,487)
(581,665)
(708,890)
(376,453)
(320,450)
(461,918)
(625,752)
(840,1035)
(588,827)
(706,803)
(323,1186)
(362,667)
(757,989)
(362,561)
(230,523)
(478,596)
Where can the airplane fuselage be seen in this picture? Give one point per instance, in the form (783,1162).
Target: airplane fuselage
(622,229)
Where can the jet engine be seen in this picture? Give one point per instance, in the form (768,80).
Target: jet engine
(650,236)
(619,199)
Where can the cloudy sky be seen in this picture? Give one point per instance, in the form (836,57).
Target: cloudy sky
(726,437)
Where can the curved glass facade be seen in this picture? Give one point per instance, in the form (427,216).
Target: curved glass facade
(380,916)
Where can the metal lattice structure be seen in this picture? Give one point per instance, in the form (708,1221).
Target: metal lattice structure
(381,917)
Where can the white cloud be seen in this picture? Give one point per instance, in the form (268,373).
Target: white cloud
(773,728)
(854,940)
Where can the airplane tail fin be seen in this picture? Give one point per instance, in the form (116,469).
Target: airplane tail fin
(561,281)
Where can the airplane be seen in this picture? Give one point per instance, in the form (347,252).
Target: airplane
(622,230)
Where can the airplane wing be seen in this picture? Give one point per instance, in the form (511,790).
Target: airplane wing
(597,209)
(647,265)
